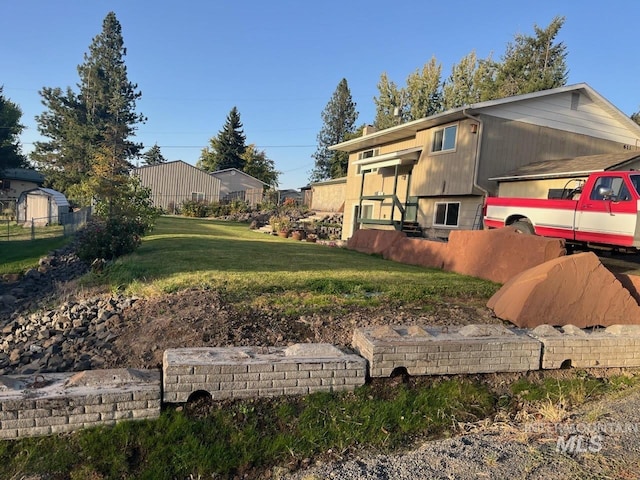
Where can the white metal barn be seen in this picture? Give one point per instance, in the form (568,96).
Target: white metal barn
(42,206)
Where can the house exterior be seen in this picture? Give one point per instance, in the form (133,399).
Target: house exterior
(15,181)
(431,175)
(173,183)
(42,206)
(238,185)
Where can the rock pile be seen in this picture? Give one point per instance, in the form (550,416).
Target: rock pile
(74,336)
(20,293)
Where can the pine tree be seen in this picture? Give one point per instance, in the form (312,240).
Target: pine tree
(10,128)
(153,156)
(90,144)
(531,64)
(339,118)
(225,150)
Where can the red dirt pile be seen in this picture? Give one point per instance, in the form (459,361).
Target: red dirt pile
(575,289)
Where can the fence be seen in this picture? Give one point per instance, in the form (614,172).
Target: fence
(45,227)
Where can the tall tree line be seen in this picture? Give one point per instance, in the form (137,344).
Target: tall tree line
(530,63)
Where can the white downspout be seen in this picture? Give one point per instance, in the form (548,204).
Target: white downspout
(478,149)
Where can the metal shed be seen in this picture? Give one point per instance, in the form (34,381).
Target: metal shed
(42,206)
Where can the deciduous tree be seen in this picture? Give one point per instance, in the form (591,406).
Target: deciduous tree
(258,165)
(423,91)
(391,104)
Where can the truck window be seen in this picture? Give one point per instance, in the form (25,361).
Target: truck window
(616,184)
(635,181)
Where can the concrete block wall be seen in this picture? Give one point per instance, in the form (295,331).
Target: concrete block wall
(52,403)
(240,372)
(446,351)
(615,346)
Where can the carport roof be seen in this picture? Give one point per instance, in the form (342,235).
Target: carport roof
(569,167)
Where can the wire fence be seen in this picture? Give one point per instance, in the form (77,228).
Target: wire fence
(44,227)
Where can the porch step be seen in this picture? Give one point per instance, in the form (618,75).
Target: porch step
(412,229)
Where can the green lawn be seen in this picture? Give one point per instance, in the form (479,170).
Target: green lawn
(17,256)
(248,266)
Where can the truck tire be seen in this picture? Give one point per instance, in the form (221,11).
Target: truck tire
(523,227)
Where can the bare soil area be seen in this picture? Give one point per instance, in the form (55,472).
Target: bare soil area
(201,318)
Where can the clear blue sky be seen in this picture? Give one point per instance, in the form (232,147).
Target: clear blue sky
(280,61)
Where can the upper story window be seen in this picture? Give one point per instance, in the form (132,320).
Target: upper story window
(368,154)
(444,139)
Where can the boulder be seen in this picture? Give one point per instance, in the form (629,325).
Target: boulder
(374,241)
(498,254)
(575,289)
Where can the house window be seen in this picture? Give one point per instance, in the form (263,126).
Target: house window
(367,211)
(197,196)
(368,154)
(5,184)
(447,214)
(444,139)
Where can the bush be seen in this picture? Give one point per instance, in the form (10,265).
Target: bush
(194,208)
(109,238)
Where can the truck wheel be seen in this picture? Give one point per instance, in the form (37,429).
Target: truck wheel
(523,227)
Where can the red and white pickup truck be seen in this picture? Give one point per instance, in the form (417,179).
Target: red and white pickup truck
(604,211)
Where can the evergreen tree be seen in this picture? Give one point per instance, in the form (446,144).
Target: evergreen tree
(531,64)
(391,105)
(338,117)
(10,128)
(423,93)
(153,156)
(90,147)
(258,165)
(225,150)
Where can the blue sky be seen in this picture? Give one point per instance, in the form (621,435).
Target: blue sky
(280,61)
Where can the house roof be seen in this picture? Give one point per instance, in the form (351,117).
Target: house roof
(24,174)
(569,167)
(234,171)
(409,129)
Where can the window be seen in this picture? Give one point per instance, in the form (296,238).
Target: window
(444,139)
(447,214)
(5,184)
(197,196)
(368,154)
(367,211)
(616,186)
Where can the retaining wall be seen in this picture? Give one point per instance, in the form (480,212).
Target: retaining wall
(615,346)
(63,402)
(446,351)
(240,372)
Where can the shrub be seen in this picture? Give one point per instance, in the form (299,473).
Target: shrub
(109,238)
(194,208)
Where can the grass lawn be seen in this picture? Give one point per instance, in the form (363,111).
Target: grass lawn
(17,256)
(253,267)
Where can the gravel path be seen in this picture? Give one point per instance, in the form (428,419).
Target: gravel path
(610,446)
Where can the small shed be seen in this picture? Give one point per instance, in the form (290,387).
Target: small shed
(42,206)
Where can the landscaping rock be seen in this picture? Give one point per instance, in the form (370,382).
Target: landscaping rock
(574,289)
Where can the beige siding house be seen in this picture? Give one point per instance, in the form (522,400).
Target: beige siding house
(173,183)
(14,182)
(431,175)
(327,196)
(237,185)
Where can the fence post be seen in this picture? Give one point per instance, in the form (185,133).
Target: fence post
(33,230)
